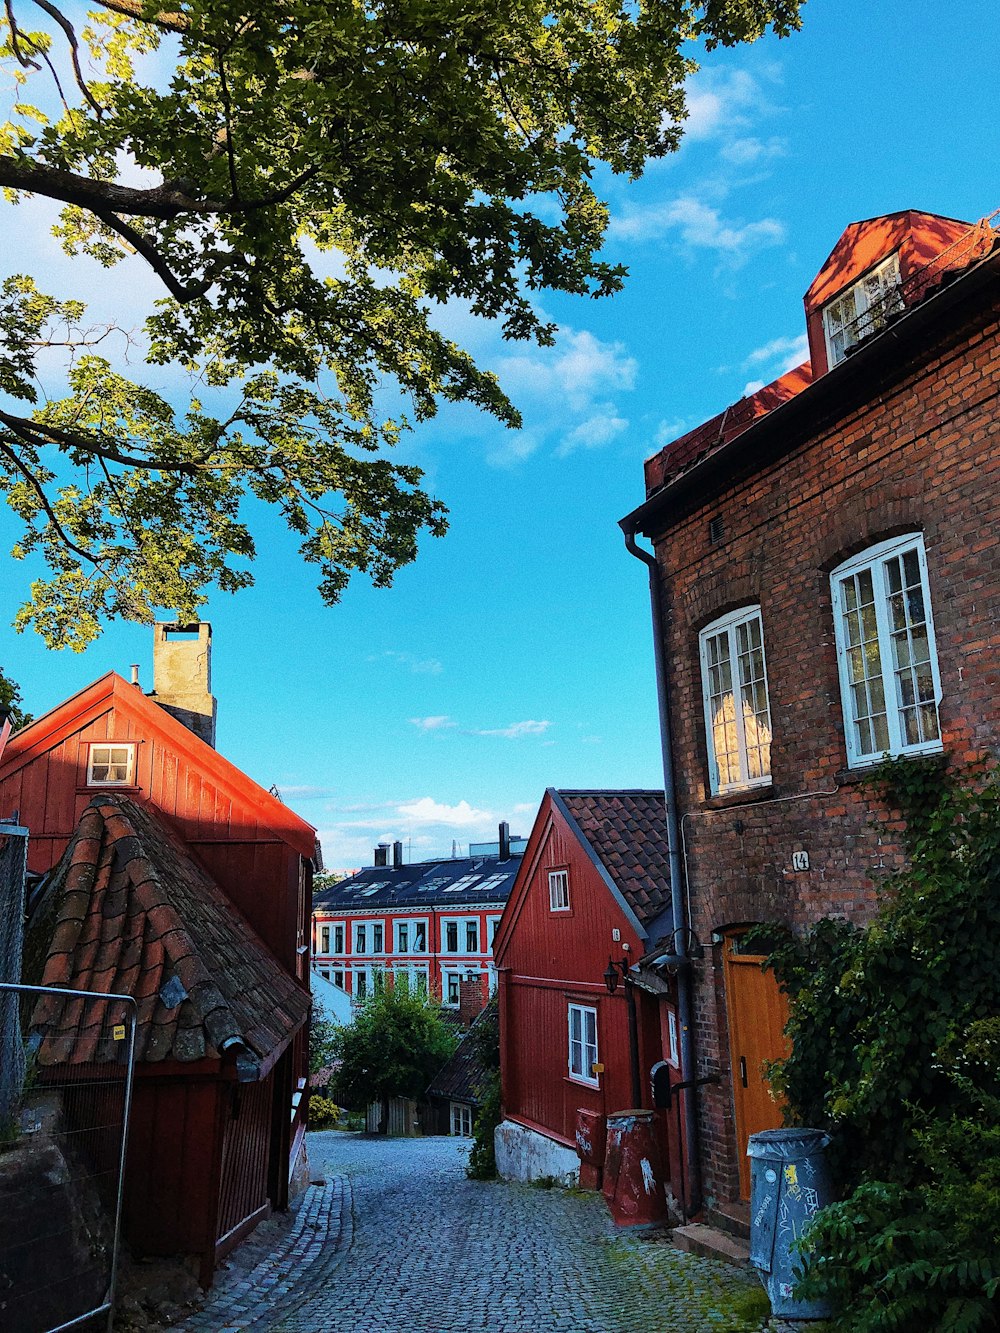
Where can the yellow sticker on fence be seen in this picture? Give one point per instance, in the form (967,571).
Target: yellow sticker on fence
(119,1032)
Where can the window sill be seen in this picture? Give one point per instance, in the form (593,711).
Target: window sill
(849,777)
(593,1084)
(745,796)
(129,788)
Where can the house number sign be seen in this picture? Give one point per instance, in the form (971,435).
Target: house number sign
(800,860)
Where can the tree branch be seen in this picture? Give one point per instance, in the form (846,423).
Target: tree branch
(43,500)
(144,247)
(74,47)
(41,433)
(135,9)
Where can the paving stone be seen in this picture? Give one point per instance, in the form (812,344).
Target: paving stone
(399,1240)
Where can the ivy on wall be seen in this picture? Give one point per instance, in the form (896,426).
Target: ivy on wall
(896,1051)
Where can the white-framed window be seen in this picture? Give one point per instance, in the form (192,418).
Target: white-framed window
(674,1053)
(737,711)
(411,936)
(111,766)
(413,978)
(582,1043)
(450,929)
(338,938)
(862,309)
(889,681)
(451,989)
(492,926)
(402,937)
(360,939)
(338,979)
(377,937)
(558,890)
(461,1120)
(472,936)
(324,939)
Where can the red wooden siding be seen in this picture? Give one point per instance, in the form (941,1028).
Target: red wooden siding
(245,1155)
(549,960)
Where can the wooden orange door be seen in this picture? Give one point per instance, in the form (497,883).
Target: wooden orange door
(758,1012)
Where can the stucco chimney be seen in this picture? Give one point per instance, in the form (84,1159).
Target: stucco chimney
(182,675)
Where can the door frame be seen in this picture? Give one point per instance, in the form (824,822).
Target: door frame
(743,1078)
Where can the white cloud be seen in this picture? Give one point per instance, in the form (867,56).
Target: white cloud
(428,811)
(722,104)
(432,723)
(699,226)
(428,666)
(516,730)
(576,369)
(593,433)
(669,430)
(786,352)
(777,356)
(743,152)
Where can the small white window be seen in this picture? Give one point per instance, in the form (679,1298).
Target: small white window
(737,711)
(674,1055)
(324,939)
(452,989)
(377,937)
(583,1043)
(461,1120)
(889,680)
(472,937)
(558,890)
(360,942)
(111,766)
(338,939)
(862,309)
(451,937)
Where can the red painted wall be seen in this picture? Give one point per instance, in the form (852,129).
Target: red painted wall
(548,960)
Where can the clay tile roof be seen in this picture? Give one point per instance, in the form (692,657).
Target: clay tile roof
(465,1078)
(627,831)
(134,912)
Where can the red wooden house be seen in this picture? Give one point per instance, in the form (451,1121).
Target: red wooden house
(593,886)
(240,846)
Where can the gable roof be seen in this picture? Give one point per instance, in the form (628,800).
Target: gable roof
(111,690)
(464,1077)
(627,832)
(129,912)
(456,882)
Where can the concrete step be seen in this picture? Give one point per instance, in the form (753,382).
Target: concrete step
(711,1243)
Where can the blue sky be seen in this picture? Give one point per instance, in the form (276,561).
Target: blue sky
(516,653)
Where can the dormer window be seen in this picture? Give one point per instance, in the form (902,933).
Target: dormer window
(862,309)
(111,766)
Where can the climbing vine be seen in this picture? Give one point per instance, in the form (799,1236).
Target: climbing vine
(895,1033)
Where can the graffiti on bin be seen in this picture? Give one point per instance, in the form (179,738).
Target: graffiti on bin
(583,1142)
(648,1179)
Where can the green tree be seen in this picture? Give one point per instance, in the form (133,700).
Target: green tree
(306,180)
(10,702)
(394,1046)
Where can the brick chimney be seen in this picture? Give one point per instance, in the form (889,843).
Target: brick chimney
(470,1000)
(182,675)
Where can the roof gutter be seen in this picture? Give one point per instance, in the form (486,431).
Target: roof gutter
(681,926)
(826,399)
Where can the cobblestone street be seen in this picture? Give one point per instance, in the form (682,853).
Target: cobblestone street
(398,1240)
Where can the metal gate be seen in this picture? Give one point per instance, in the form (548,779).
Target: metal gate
(66,1078)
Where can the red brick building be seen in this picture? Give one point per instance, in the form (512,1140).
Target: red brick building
(826,590)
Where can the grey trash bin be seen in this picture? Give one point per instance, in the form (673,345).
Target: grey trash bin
(789,1182)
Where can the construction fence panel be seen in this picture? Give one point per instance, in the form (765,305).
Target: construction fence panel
(63,1140)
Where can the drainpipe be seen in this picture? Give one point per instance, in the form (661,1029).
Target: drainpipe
(678,901)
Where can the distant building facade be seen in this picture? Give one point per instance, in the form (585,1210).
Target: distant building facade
(430,923)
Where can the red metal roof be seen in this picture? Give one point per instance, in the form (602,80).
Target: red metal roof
(132,912)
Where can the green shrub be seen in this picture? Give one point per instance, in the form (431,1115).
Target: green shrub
(323,1113)
(896,1051)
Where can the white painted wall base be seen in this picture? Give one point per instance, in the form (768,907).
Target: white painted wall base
(524,1154)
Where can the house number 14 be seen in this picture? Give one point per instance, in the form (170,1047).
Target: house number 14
(800,860)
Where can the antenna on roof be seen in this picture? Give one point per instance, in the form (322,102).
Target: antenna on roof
(454,849)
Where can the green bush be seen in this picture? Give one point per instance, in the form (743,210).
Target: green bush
(482,1155)
(896,1050)
(323,1113)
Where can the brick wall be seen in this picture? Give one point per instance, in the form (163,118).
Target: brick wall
(921,453)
